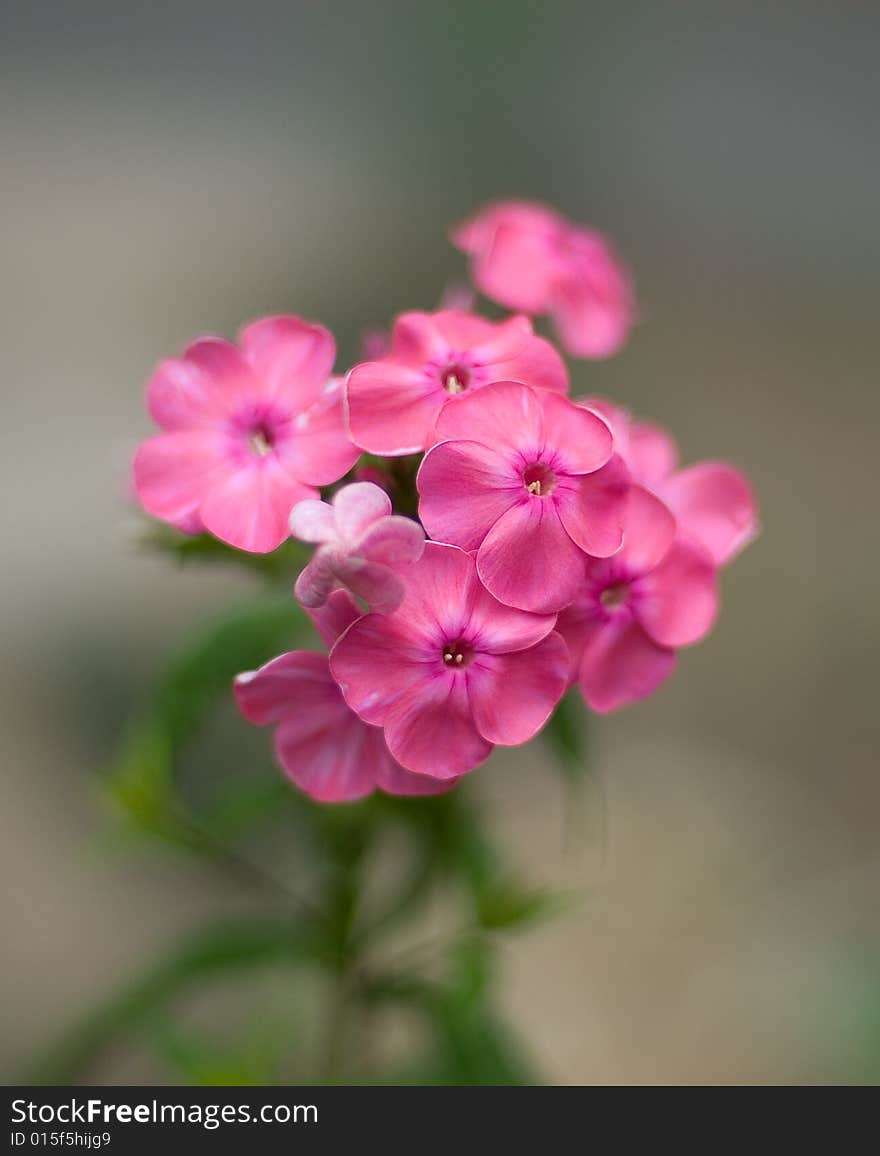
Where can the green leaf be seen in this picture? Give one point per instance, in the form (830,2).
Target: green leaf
(187,549)
(566,735)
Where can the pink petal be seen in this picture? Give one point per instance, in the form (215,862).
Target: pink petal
(316,580)
(714,504)
(173,472)
(621,664)
(393,541)
(375,661)
(678,600)
(391,408)
(513,695)
(592,507)
(181,394)
(320,450)
(648,531)
(249,506)
(593,306)
(394,780)
(580,441)
(489,343)
(416,339)
(335,616)
(652,454)
(527,559)
(505,415)
(537,363)
(357,506)
(331,755)
(430,731)
(295,682)
(464,488)
(439,590)
(313,521)
(291,358)
(494,628)
(576,623)
(517,267)
(375,583)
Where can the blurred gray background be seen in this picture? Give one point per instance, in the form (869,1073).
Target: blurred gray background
(169,169)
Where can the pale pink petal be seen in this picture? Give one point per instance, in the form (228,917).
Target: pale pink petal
(518,267)
(375,583)
(313,521)
(648,530)
(249,507)
(394,541)
(714,504)
(181,395)
(513,695)
(621,664)
(316,580)
(416,339)
(461,330)
(294,682)
(678,600)
(652,454)
(335,616)
(464,488)
(391,407)
(430,730)
(357,506)
(477,232)
(527,559)
(320,451)
(592,508)
(377,659)
(579,440)
(291,358)
(173,472)
(505,415)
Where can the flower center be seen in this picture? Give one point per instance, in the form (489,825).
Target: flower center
(455,379)
(539,480)
(457,653)
(615,595)
(260,440)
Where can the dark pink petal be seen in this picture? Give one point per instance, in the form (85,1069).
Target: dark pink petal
(357,506)
(513,695)
(580,441)
(577,623)
(394,780)
(316,580)
(440,588)
(464,488)
(291,358)
(320,450)
(648,530)
(652,454)
(376,660)
(621,664)
(592,508)
(714,504)
(678,600)
(391,408)
(527,559)
(313,521)
(249,506)
(494,628)
(295,682)
(505,415)
(375,583)
(430,730)
(173,472)
(332,757)
(335,616)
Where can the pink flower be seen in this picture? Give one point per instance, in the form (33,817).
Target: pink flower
(360,544)
(528,484)
(635,609)
(321,744)
(529,258)
(712,502)
(394,402)
(247,433)
(452,671)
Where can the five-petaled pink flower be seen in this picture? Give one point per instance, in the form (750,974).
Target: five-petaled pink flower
(526,482)
(532,259)
(248,432)
(360,543)
(712,502)
(393,403)
(452,671)
(320,742)
(635,609)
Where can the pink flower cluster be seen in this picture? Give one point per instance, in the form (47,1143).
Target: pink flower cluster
(556,541)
